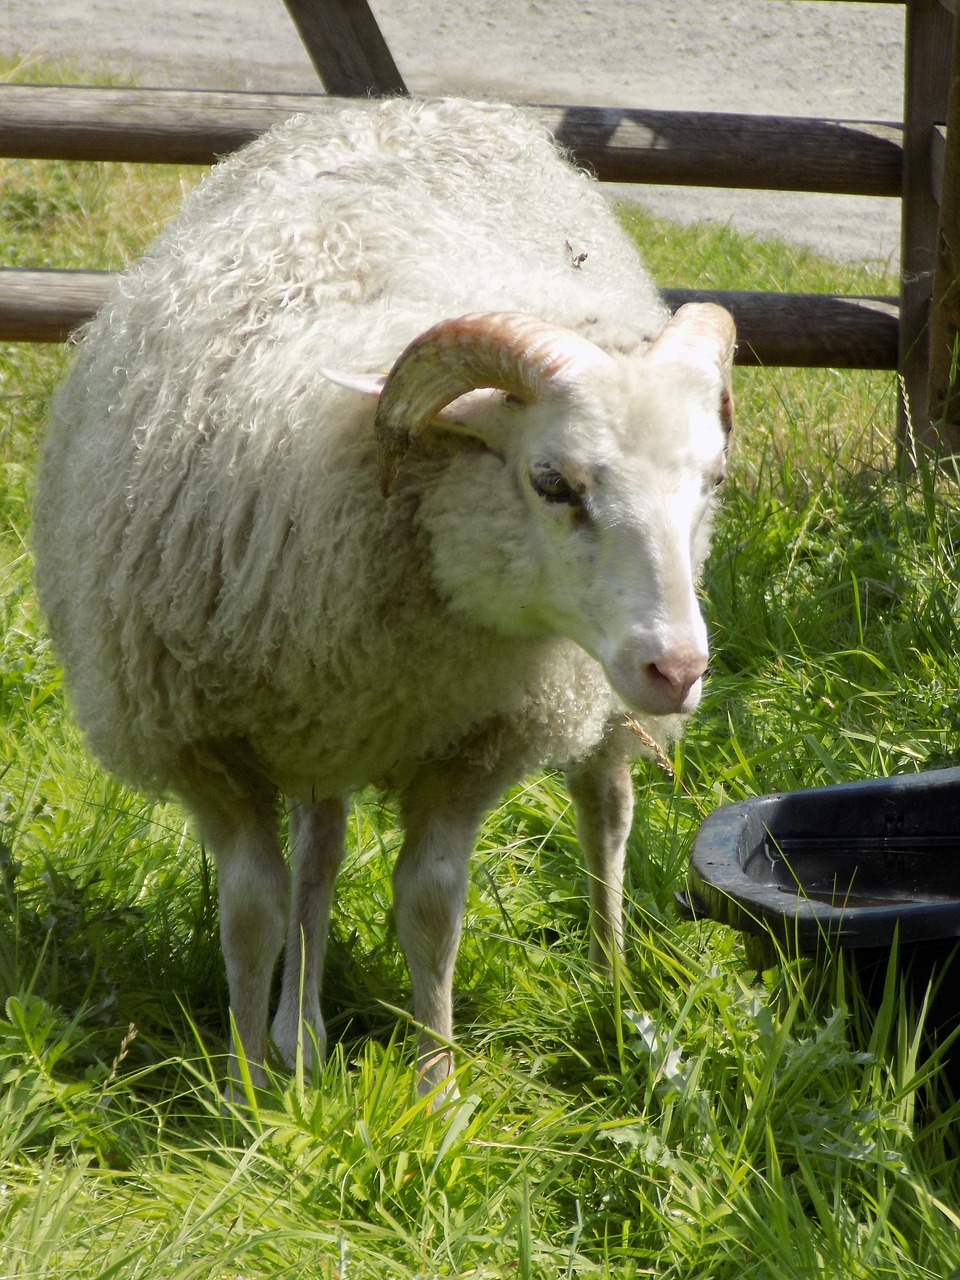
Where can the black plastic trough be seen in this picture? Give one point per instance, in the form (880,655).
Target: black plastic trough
(853,865)
(869,869)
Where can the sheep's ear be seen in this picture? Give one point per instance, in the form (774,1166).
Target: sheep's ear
(368,384)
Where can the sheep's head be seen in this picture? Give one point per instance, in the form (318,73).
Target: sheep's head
(606,467)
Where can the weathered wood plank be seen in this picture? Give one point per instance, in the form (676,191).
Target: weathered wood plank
(715,149)
(637,146)
(346,46)
(929,41)
(943,393)
(773,329)
(806,330)
(44,306)
(164,126)
(938,153)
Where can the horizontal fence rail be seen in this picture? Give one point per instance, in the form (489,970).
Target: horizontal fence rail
(678,148)
(772,329)
(806,330)
(45,305)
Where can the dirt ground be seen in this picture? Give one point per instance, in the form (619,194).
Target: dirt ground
(791,57)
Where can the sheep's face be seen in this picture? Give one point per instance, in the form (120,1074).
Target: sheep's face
(589,518)
(584,513)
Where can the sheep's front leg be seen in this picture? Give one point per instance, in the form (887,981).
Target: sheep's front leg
(442,811)
(252,877)
(602,791)
(317,840)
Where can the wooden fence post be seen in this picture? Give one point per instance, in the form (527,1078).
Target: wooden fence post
(929,30)
(346,46)
(944,384)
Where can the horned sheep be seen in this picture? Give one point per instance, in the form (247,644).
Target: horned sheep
(272,570)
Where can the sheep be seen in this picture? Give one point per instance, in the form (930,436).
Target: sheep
(276,574)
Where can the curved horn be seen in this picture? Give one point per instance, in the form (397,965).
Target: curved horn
(705,334)
(507,350)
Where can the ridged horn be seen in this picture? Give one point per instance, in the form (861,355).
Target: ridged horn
(701,333)
(505,350)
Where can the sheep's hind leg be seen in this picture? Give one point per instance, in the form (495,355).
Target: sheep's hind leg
(442,811)
(317,839)
(602,792)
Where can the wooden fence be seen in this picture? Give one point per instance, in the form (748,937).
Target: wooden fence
(914,160)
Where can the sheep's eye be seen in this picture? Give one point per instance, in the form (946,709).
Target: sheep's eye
(552,487)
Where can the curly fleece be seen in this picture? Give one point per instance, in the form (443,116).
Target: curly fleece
(214,556)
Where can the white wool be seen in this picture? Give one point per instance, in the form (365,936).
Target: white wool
(205,515)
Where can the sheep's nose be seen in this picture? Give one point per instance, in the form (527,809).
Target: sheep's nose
(674,675)
(661,680)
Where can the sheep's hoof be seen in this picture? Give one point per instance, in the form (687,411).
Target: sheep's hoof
(307,1046)
(436,1082)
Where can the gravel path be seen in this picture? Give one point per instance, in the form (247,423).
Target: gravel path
(791,57)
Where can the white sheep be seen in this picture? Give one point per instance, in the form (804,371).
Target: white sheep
(264,584)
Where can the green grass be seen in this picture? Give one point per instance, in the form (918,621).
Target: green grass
(697,1122)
